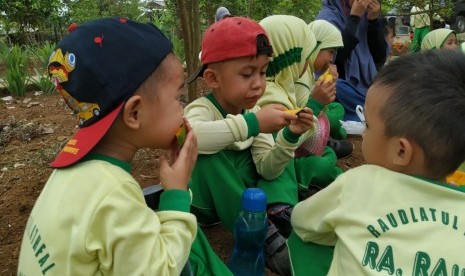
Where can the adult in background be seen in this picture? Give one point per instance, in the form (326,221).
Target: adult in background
(364,52)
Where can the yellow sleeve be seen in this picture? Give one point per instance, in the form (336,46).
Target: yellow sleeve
(130,239)
(214,133)
(311,218)
(412,17)
(270,157)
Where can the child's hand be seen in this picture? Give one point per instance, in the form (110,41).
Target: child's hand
(333,71)
(303,123)
(271,118)
(324,92)
(177,175)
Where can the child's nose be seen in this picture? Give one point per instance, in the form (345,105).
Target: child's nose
(258,82)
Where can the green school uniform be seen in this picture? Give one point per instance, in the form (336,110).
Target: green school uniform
(293,45)
(233,155)
(381,220)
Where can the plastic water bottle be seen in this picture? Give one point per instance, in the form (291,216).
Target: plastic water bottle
(249,235)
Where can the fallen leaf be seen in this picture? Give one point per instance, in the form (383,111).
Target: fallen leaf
(7,98)
(62,138)
(32,104)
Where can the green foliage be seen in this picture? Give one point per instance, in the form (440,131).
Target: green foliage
(165,22)
(16,61)
(305,9)
(85,10)
(43,82)
(25,15)
(440,7)
(41,56)
(259,9)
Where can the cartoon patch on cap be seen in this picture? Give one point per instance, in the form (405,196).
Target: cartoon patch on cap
(59,68)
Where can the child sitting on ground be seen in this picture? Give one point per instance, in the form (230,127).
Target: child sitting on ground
(294,48)
(394,213)
(123,82)
(236,147)
(310,91)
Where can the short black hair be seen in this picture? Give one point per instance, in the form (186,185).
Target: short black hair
(427,104)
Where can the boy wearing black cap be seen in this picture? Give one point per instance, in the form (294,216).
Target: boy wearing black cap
(236,147)
(123,82)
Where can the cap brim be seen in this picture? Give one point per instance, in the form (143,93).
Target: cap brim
(197,73)
(84,140)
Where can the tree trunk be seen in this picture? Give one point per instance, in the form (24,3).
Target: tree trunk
(188,13)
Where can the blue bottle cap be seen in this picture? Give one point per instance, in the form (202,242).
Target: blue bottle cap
(254,200)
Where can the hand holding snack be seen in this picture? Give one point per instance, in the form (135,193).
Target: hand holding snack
(304,121)
(177,174)
(271,118)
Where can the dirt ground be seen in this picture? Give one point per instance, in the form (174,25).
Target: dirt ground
(32,131)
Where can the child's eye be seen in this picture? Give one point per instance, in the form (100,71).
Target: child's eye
(246,75)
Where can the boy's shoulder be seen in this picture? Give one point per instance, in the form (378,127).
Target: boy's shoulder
(100,167)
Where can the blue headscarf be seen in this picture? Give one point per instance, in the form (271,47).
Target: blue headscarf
(360,64)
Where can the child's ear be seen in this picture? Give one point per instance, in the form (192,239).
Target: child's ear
(404,152)
(132,112)
(211,78)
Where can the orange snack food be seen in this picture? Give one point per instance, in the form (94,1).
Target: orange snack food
(293,111)
(181,135)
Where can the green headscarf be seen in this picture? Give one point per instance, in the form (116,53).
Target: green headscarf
(292,42)
(435,39)
(328,37)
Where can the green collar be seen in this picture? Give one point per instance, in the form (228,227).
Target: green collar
(95,156)
(217,105)
(445,185)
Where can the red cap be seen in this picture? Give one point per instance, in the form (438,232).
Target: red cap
(231,37)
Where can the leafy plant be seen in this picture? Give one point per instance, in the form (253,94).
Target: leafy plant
(43,82)
(41,56)
(164,21)
(16,78)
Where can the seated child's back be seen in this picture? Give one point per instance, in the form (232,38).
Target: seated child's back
(397,213)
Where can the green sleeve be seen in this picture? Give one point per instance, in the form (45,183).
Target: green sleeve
(252,124)
(315,106)
(290,136)
(175,200)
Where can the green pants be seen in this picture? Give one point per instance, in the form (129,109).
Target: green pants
(203,260)
(418,36)
(335,112)
(318,171)
(219,179)
(308,258)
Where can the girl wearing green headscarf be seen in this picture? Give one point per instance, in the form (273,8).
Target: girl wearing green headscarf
(319,95)
(294,47)
(440,39)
